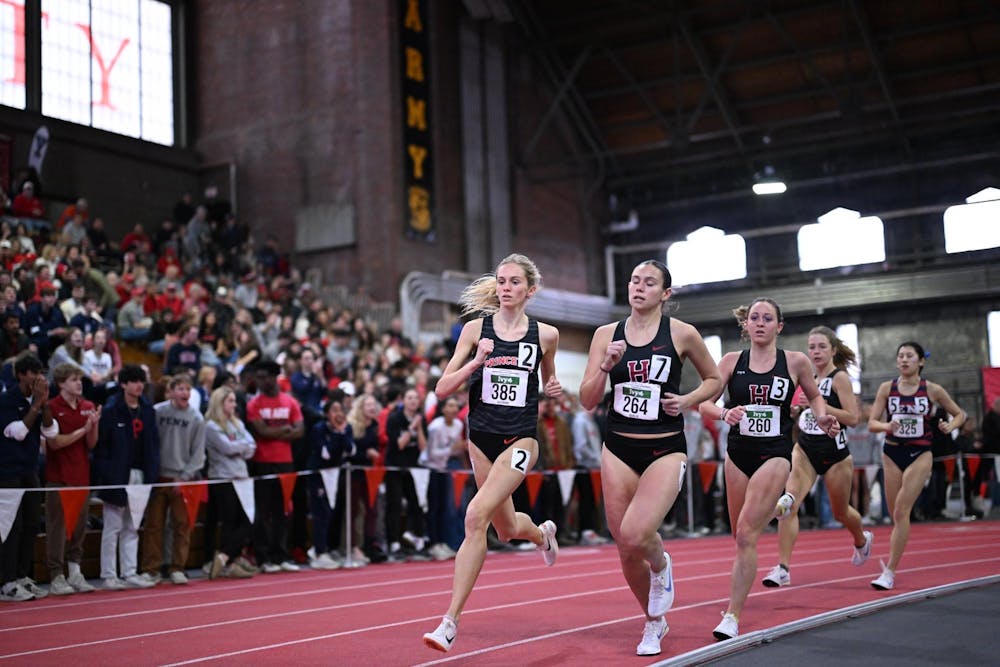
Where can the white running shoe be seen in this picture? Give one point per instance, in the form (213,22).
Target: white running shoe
(178,578)
(443,637)
(289,566)
(60,586)
(652,634)
(778,576)
(80,583)
(114,584)
(729,628)
(661,592)
(886,581)
(324,562)
(784,506)
(862,553)
(138,581)
(550,547)
(270,568)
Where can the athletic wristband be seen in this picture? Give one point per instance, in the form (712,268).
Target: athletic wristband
(725,411)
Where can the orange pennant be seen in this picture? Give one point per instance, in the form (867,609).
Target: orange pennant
(458,479)
(534,482)
(374,477)
(973,460)
(287,480)
(194,495)
(595,482)
(72,501)
(949,468)
(707,471)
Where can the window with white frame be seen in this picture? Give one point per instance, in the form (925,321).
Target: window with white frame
(708,255)
(974,225)
(109,64)
(12,72)
(841,238)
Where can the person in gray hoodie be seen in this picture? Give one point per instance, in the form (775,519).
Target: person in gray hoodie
(182,456)
(229,445)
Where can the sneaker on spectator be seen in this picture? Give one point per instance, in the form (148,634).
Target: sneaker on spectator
(206,568)
(862,553)
(245,563)
(114,584)
(178,578)
(138,581)
(420,556)
(28,584)
(550,547)
(418,543)
(15,592)
(289,566)
(235,571)
(886,581)
(652,634)
(270,568)
(777,577)
(358,556)
(60,586)
(217,565)
(154,578)
(80,583)
(443,637)
(661,592)
(591,538)
(729,628)
(324,562)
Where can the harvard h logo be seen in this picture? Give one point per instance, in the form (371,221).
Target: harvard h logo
(758,393)
(638,371)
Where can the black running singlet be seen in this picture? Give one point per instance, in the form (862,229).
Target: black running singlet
(640,379)
(810,434)
(503,392)
(767,398)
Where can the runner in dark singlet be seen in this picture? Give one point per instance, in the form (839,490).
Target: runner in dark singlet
(760,382)
(817,454)
(499,355)
(907,401)
(645,452)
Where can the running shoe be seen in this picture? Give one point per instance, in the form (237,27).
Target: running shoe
(550,547)
(777,577)
(784,506)
(886,581)
(114,584)
(288,566)
(729,628)
(218,565)
(28,584)
(862,553)
(60,586)
(324,562)
(661,591)
(138,581)
(652,634)
(443,637)
(80,583)
(178,578)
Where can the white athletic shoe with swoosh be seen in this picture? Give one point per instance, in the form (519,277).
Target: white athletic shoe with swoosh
(550,547)
(443,637)
(661,590)
(652,634)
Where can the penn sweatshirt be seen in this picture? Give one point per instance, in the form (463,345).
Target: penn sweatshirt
(182,441)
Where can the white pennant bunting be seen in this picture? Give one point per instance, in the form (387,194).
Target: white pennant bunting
(244,491)
(421,478)
(138,497)
(331,480)
(10,501)
(871,472)
(566,478)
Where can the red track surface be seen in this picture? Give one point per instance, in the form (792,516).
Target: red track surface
(521,612)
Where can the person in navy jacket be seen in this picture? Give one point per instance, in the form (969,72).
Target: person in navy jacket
(127,452)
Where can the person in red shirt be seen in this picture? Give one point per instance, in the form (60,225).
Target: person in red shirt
(275,419)
(136,240)
(26,204)
(66,464)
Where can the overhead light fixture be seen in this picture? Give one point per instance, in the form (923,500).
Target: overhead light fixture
(768,183)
